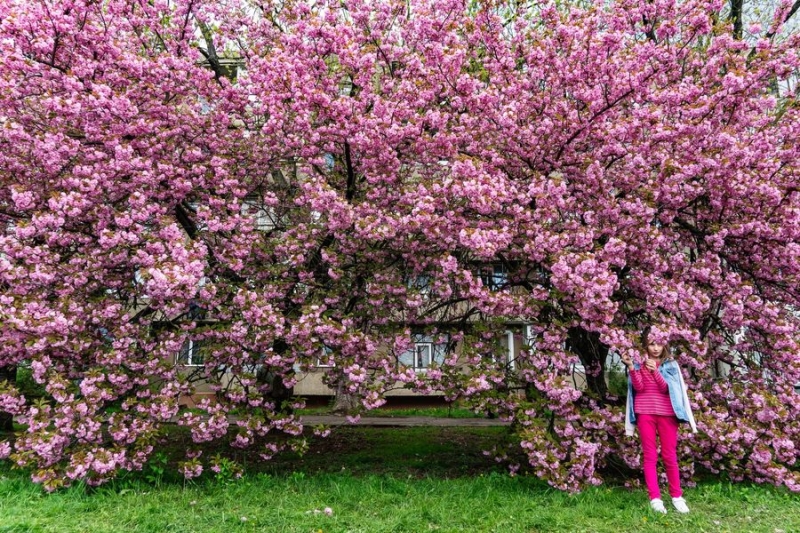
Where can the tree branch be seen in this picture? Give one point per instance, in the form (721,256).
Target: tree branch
(789,15)
(736,17)
(211,52)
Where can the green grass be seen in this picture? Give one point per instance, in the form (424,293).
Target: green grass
(395,412)
(384,480)
(445,452)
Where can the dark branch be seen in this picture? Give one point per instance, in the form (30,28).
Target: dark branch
(210,53)
(736,17)
(789,15)
(351,174)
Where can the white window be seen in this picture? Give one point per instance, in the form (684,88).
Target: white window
(420,283)
(191,354)
(494,277)
(423,353)
(325,360)
(345,87)
(263,215)
(530,336)
(510,344)
(10,231)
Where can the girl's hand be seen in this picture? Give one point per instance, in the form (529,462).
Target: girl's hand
(650,364)
(627,361)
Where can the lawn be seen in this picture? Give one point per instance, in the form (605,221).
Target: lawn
(383,479)
(446,411)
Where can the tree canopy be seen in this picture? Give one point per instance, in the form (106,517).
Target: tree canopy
(281,181)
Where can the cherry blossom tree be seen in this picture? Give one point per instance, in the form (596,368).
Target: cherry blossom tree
(256,187)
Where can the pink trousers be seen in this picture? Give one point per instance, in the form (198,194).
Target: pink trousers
(666,427)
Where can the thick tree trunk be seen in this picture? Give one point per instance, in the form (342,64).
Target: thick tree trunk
(7,373)
(276,390)
(736,16)
(593,354)
(344,403)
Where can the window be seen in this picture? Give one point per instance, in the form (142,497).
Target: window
(494,276)
(346,87)
(424,353)
(10,231)
(510,344)
(420,283)
(191,354)
(254,207)
(325,360)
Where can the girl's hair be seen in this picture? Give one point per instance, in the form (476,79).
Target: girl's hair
(665,353)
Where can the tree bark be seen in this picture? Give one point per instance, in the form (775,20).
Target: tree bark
(7,373)
(344,403)
(593,354)
(277,391)
(736,17)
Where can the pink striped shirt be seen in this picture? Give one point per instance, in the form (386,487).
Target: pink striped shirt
(652,393)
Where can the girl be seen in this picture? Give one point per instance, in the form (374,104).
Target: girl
(657,401)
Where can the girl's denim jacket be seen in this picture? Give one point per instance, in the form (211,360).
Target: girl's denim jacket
(671,373)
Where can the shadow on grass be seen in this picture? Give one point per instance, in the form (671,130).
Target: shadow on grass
(360,451)
(446,452)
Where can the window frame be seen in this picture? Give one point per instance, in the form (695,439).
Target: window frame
(494,276)
(191,348)
(263,216)
(326,355)
(437,352)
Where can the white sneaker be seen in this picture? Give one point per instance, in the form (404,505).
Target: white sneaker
(658,506)
(680,505)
